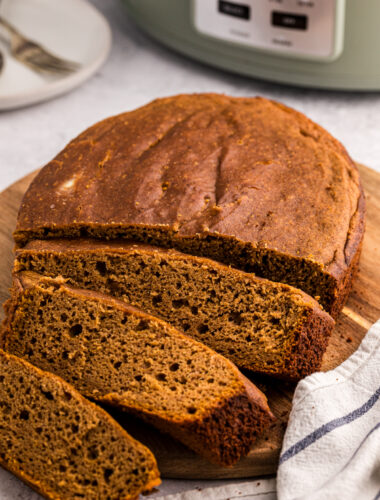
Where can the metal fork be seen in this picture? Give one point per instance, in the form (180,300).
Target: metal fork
(34,55)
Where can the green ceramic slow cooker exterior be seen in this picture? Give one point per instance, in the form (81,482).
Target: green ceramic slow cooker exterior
(357,67)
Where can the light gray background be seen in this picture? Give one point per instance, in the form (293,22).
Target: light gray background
(137,71)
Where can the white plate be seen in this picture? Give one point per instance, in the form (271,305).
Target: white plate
(72,29)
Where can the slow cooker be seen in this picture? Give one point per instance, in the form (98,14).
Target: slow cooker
(318,43)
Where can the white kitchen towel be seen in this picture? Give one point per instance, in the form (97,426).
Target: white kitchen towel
(331,448)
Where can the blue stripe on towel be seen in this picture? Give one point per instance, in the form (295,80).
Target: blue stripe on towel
(330,426)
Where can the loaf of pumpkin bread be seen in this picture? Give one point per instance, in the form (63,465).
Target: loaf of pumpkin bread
(260,325)
(245,181)
(62,445)
(121,356)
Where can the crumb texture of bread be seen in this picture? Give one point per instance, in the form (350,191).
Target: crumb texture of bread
(62,445)
(245,181)
(260,325)
(118,355)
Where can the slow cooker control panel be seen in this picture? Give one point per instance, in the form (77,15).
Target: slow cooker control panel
(311,29)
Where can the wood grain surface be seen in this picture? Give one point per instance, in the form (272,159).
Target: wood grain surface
(362,309)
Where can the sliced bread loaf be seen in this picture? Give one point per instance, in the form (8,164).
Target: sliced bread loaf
(260,325)
(121,356)
(245,181)
(62,445)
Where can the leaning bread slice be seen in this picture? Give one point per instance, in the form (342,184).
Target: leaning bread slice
(258,324)
(121,356)
(62,445)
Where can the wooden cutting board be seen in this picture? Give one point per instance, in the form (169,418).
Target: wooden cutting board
(362,309)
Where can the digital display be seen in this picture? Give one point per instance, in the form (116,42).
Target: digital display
(234,9)
(291,21)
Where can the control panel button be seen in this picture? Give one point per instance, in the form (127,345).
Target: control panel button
(291,21)
(234,9)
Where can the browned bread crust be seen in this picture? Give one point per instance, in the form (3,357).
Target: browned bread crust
(62,445)
(260,325)
(119,355)
(245,181)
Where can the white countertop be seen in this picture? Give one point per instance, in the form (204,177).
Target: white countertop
(139,70)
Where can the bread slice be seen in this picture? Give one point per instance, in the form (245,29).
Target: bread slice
(62,445)
(260,325)
(118,355)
